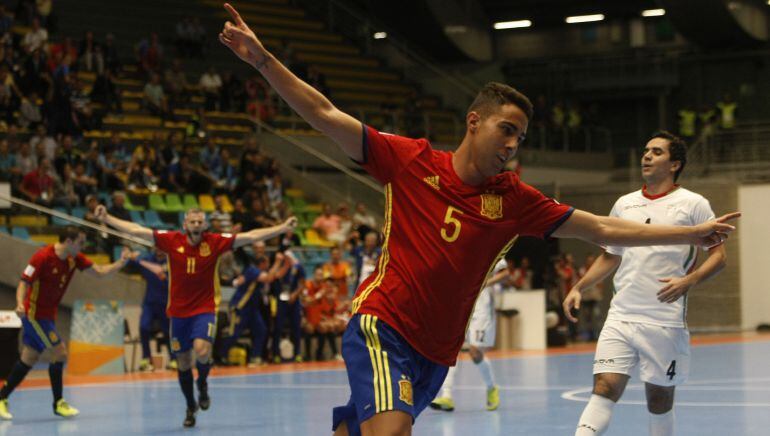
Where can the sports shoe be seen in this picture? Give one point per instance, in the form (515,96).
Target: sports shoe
(338,357)
(189,418)
(146,366)
(4,413)
(493,398)
(204,401)
(62,408)
(298,358)
(172,365)
(277,359)
(443,403)
(256,361)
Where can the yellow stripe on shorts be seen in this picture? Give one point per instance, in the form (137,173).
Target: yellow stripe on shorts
(381,381)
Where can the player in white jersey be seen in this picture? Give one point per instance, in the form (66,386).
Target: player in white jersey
(646,325)
(479,337)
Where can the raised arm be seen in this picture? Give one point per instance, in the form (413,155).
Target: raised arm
(262,234)
(310,104)
(132,229)
(599,270)
(603,230)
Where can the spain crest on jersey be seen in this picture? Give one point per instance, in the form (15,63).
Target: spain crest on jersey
(405,392)
(492,206)
(205,250)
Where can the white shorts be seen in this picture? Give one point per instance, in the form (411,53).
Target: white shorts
(483,325)
(662,353)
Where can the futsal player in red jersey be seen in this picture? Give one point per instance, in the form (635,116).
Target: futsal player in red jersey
(42,286)
(194,293)
(448,217)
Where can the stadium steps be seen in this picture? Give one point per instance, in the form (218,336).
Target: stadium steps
(267,8)
(333,72)
(258,20)
(322,59)
(390,88)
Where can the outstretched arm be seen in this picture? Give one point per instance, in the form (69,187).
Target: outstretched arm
(603,230)
(256,235)
(310,104)
(132,229)
(105,270)
(599,270)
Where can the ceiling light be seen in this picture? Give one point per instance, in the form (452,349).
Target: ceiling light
(512,24)
(380,35)
(655,12)
(584,18)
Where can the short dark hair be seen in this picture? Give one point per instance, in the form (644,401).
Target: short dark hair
(495,94)
(677,149)
(70,232)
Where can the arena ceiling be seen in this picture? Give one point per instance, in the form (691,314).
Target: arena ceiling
(553,12)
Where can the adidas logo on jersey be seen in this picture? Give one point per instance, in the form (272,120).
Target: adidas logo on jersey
(432,181)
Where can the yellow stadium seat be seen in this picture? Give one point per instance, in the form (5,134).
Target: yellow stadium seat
(315,207)
(29,221)
(313,238)
(294,193)
(45,239)
(227,206)
(206,202)
(99,259)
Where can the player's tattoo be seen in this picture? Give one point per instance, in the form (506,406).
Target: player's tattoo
(262,62)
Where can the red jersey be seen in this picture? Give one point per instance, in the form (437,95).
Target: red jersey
(48,276)
(442,237)
(193,286)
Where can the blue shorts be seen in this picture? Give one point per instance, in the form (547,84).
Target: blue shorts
(40,334)
(185,330)
(385,373)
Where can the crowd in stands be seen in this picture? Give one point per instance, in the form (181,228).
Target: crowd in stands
(702,122)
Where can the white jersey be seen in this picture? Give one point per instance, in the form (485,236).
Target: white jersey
(637,278)
(482,326)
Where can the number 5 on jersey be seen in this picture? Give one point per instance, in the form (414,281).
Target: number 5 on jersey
(452,223)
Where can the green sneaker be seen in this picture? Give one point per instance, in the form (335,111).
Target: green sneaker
(146,366)
(493,398)
(443,403)
(4,413)
(61,408)
(172,365)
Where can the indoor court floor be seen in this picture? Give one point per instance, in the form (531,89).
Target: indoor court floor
(541,394)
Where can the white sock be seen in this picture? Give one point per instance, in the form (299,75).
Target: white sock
(596,416)
(663,424)
(486,372)
(449,381)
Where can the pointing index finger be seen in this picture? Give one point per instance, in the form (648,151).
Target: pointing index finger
(729,217)
(233,13)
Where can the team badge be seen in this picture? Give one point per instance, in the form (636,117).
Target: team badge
(205,250)
(405,392)
(71,262)
(56,270)
(53,337)
(492,206)
(180,250)
(175,345)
